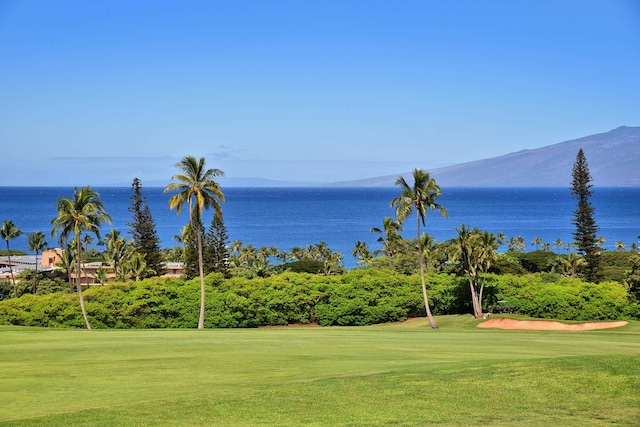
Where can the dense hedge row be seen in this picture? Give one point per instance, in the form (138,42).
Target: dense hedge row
(548,296)
(359,297)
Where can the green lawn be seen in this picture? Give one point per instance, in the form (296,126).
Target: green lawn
(396,375)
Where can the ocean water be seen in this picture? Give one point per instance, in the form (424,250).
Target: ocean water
(288,217)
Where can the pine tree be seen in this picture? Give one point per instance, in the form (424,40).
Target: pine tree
(190,259)
(584,237)
(216,247)
(143,230)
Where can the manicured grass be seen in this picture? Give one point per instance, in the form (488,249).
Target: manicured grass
(403,375)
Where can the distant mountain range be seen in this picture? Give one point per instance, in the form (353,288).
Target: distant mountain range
(613,158)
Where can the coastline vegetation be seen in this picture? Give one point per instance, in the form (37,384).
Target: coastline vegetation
(240,278)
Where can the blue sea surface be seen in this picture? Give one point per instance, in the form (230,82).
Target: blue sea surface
(288,217)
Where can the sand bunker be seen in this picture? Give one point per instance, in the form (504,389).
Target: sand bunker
(544,325)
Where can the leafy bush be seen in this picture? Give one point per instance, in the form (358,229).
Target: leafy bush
(535,261)
(306,266)
(568,299)
(359,297)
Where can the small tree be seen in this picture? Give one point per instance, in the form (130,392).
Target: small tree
(584,237)
(361,252)
(36,242)
(9,231)
(633,279)
(474,250)
(558,244)
(118,253)
(390,238)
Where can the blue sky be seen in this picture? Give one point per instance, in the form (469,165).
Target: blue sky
(100,92)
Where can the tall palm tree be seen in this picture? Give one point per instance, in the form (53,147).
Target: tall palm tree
(8,232)
(421,196)
(84,213)
(196,187)
(36,242)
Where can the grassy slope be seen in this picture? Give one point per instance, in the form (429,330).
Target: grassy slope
(380,375)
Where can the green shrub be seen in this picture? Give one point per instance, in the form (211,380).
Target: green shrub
(306,266)
(359,297)
(535,261)
(568,299)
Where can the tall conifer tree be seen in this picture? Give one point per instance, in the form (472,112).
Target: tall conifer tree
(216,247)
(143,230)
(584,237)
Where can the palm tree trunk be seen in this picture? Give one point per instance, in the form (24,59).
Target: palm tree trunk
(35,278)
(475,297)
(202,299)
(79,287)
(432,321)
(481,292)
(13,280)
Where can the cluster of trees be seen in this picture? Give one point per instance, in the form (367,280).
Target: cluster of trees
(472,254)
(79,219)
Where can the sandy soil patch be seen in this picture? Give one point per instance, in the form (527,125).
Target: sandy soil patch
(547,325)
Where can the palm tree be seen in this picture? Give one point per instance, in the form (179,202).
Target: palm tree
(66,259)
(36,242)
(9,231)
(488,245)
(196,187)
(101,275)
(516,244)
(620,246)
(361,252)
(567,266)
(428,248)
(84,213)
(475,251)
(421,196)
(136,266)
(537,242)
(331,263)
(118,251)
(390,236)
(558,244)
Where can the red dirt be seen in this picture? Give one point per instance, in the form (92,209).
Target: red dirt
(545,325)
